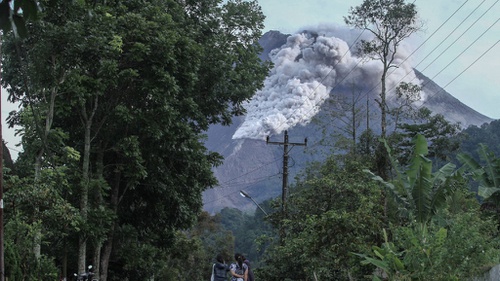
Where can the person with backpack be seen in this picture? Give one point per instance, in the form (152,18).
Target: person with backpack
(219,269)
(250,272)
(238,269)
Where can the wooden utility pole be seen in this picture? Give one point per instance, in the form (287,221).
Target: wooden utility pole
(284,190)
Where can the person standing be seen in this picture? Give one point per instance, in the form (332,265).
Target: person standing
(238,269)
(250,272)
(219,269)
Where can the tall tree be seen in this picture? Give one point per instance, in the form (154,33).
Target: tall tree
(142,82)
(390,22)
(34,74)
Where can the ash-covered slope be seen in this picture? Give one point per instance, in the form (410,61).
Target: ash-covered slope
(310,68)
(442,102)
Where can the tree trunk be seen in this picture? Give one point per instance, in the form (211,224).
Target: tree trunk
(99,202)
(106,253)
(96,259)
(49,117)
(65,260)
(383,103)
(84,196)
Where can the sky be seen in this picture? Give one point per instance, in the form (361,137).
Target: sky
(457,47)
(8,133)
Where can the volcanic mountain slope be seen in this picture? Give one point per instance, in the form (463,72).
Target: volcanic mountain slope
(302,61)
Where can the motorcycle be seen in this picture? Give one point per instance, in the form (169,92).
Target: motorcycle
(86,276)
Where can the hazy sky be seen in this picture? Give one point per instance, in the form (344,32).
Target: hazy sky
(458,47)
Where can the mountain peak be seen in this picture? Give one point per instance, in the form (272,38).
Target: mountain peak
(307,71)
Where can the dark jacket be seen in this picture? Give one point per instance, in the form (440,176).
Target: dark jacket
(250,272)
(220,271)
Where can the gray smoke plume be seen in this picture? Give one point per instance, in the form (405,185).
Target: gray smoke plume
(306,69)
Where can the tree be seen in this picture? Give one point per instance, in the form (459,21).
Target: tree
(390,22)
(142,82)
(487,134)
(334,210)
(407,94)
(36,84)
(349,110)
(488,175)
(436,130)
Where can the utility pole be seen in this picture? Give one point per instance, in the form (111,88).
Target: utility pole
(284,190)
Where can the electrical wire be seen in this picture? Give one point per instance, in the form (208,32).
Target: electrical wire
(352,69)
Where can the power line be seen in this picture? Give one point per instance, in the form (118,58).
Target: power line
(484,53)
(222,197)
(352,69)
(373,88)
(470,65)
(360,60)
(453,31)
(473,42)
(464,33)
(437,29)
(323,78)
(441,42)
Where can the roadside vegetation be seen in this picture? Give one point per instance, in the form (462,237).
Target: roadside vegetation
(115,98)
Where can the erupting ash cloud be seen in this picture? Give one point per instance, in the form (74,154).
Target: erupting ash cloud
(306,69)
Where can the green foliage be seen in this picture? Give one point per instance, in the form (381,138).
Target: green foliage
(488,175)
(189,255)
(388,259)
(252,232)
(436,130)
(464,247)
(216,239)
(441,216)
(487,134)
(136,84)
(334,210)
(20,262)
(417,191)
(33,210)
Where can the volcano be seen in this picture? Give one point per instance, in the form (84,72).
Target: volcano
(313,71)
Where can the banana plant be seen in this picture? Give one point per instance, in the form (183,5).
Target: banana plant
(417,190)
(487,175)
(387,259)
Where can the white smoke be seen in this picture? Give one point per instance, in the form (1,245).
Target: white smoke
(306,69)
